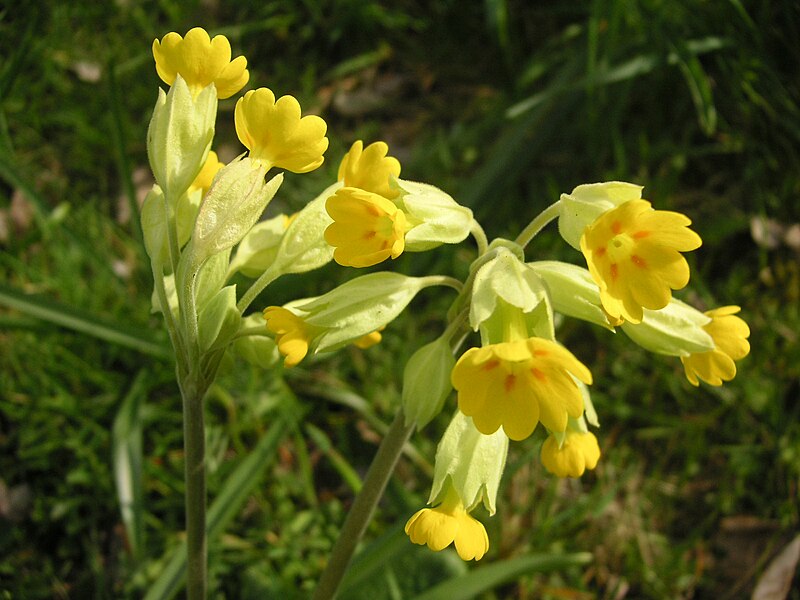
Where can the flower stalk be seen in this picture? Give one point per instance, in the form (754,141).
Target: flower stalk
(378,475)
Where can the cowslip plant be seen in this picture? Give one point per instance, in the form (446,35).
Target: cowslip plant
(202,224)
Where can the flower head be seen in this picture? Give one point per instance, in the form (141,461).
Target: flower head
(200,61)
(274,132)
(578,452)
(370,169)
(446,524)
(292,334)
(730,334)
(517,384)
(633,253)
(366,229)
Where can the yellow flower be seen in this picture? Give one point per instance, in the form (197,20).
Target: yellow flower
(517,384)
(366,229)
(369,340)
(730,334)
(633,254)
(579,452)
(292,334)
(200,61)
(370,169)
(447,523)
(206,175)
(275,134)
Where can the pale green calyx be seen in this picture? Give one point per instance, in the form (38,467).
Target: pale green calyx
(358,307)
(587,202)
(505,277)
(232,206)
(472,461)
(219,320)
(154,226)
(675,330)
(572,291)
(426,381)
(303,246)
(434,216)
(254,348)
(179,136)
(258,249)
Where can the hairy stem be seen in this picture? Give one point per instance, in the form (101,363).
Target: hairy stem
(538,223)
(194,444)
(363,507)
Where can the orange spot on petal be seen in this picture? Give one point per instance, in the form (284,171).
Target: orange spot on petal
(640,235)
(509,383)
(492,364)
(600,252)
(616,227)
(370,234)
(538,374)
(614,271)
(638,261)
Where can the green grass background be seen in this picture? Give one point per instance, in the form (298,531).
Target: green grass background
(504,104)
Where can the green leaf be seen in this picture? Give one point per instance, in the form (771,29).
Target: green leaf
(486,578)
(126,443)
(81,321)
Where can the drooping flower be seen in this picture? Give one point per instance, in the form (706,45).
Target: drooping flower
(275,133)
(369,340)
(200,61)
(292,334)
(370,169)
(730,334)
(446,524)
(367,228)
(516,384)
(633,254)
(578,452)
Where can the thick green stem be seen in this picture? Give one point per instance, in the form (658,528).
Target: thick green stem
(363,507)
(194,444)
(538,223)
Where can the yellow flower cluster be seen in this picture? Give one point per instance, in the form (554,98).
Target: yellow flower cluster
(368,227)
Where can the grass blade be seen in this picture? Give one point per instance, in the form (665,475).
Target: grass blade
(128,457)
(376,556)
(81,321)
(485,578)
(234,493)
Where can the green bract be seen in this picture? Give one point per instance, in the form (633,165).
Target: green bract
(426,381)
(676,330)
(572,291)
(434,216)
(303,246)
(589,201)
(257,251)
(219,320)
(258,350)
(358,307)
(472,461)
(180,134)
(154,226)
(504,277)
(234,204)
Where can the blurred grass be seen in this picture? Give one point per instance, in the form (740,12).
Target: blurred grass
(504,104)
